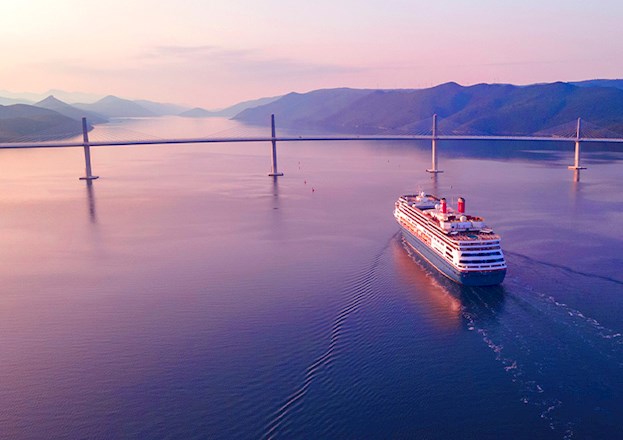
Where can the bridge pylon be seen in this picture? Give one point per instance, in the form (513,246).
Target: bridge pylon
(434,169)
(274,172)
(576,165)
(87,152)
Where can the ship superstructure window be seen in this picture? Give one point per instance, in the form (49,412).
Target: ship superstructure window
(495,260)
(480,254)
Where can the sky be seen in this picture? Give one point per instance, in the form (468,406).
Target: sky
(215,53)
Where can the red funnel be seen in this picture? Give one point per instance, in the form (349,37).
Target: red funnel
(461,207)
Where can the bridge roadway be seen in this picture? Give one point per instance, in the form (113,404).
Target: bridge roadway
(65,144)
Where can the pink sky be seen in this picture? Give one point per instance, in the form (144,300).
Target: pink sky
(216,53)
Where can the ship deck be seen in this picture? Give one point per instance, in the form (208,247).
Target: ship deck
(472,236)
(458,236)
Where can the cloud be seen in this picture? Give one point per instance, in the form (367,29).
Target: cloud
(239,61)
(168,53)
(200,63)
(204,75)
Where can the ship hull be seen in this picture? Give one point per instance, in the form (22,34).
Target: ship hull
(471,278)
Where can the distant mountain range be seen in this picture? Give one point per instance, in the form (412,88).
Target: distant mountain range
(19,121)
(11,101)
(115,107)
(197,112)
(51,103)
(479,109)
(233,110)
(616,83)
(65,96)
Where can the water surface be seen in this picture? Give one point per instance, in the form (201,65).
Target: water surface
(185,294)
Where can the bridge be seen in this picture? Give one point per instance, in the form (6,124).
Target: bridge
(432,135)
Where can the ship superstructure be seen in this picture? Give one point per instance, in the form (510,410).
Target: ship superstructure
(457,244)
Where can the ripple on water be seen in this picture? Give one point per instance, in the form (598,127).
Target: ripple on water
(359,291)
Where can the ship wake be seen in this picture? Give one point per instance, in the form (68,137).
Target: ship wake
(547,347)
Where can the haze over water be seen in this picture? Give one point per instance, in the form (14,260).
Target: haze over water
(185,294)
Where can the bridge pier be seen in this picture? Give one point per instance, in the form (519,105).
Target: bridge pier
(434,169)
(87,152)
(576,165)
(274,172)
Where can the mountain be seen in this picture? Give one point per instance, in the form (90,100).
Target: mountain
(29,98)
(22,122)
(11,101)
(22,98)
(308,110)
(72,97)
(233,110)
(197,113)
(161,109)
(113,107)
(227,112)
(51,103)
(479,109)
(616,83)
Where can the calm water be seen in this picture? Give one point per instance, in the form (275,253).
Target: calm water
(188,295)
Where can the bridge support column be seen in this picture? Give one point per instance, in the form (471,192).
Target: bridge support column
(576,163)
(274,171)
(87,152)
(434,148)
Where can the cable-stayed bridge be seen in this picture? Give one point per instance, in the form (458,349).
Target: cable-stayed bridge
(574,131)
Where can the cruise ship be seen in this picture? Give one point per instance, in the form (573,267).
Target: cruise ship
(458,245)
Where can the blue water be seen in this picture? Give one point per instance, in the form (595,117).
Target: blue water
(188,295)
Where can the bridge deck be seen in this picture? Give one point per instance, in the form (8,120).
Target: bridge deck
(64,144)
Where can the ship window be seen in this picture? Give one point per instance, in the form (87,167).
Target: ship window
(491,248)
(497,260)
(480,254)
